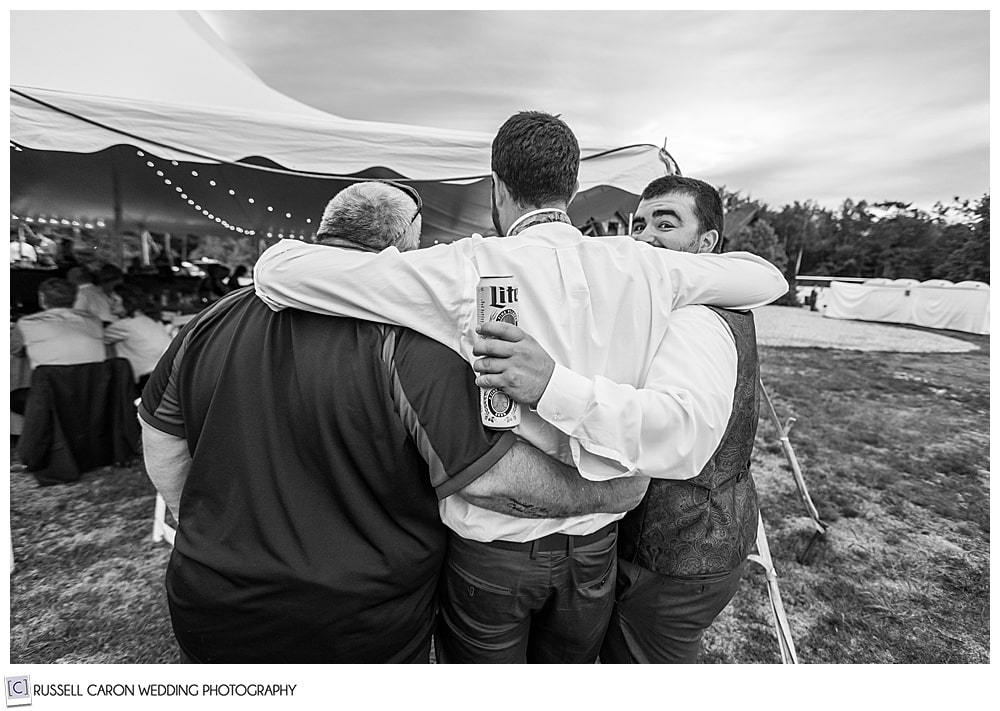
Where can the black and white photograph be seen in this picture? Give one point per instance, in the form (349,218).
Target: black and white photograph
(564,335)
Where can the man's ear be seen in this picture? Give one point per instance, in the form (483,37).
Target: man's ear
(501,195)
(708,241)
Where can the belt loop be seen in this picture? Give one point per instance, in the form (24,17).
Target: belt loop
(569,545)
(534,548)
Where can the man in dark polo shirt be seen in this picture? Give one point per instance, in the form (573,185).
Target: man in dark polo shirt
(304,457)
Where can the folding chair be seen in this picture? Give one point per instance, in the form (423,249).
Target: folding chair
(800,482)
(162,531)
(781,628)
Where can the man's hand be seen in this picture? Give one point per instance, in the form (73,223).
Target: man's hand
(514,362)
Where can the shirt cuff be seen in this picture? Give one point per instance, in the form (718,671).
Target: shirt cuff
(566,399)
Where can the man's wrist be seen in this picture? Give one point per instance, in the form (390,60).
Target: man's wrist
(565,400)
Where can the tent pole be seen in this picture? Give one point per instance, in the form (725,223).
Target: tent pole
(117,195)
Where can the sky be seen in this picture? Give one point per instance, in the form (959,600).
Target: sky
(781,106)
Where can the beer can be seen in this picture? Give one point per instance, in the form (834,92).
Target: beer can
(496,300)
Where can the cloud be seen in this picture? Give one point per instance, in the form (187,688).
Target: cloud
(784,105)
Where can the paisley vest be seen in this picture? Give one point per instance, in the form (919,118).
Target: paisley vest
(707,525)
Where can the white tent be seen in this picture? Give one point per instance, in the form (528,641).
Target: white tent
(934,304)
(172,133)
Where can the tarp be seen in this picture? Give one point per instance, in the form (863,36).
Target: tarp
(934,304)
(149,128)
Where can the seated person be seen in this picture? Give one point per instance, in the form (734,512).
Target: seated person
(136,336)
(109,278)
(89,296)
(58,335)
(237,277)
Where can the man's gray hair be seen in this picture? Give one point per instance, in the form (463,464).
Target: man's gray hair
(371,215)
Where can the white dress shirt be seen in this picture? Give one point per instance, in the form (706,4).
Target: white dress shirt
(59,336)
(599,306)
(90,297)
(140,340)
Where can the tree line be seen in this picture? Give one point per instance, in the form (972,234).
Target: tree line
(860,239)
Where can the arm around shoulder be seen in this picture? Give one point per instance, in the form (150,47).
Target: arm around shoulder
(733,280)
(529,484)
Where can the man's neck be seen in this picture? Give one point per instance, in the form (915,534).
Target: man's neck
(537,216)
(342,243)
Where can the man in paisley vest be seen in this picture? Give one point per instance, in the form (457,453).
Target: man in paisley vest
(683,550)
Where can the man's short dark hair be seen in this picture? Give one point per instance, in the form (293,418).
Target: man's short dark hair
(110,274)
(58,293)
(707,201)
(537,157)
(80,275)
(134,300)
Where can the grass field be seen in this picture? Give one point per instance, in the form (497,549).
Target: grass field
(894,448)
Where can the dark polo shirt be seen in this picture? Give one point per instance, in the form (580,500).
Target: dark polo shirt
(320,446)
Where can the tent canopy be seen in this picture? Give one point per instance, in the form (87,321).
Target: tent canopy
(142,140)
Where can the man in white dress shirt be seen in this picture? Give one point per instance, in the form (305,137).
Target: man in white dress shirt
(541,590)
(57,335)
(89,296)
(682,551)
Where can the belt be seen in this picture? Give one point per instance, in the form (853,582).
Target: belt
(557,541)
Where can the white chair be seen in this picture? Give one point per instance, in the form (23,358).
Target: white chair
(162,531)
(763,558)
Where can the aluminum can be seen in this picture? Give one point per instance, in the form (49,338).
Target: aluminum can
(496,300)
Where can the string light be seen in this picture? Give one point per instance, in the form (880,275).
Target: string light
(56,221)
(218,219)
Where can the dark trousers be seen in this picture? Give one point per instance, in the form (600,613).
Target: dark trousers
(19,400)
(660,620)
(526,605)
(421,656)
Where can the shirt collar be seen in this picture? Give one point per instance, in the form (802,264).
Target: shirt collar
(538,217)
